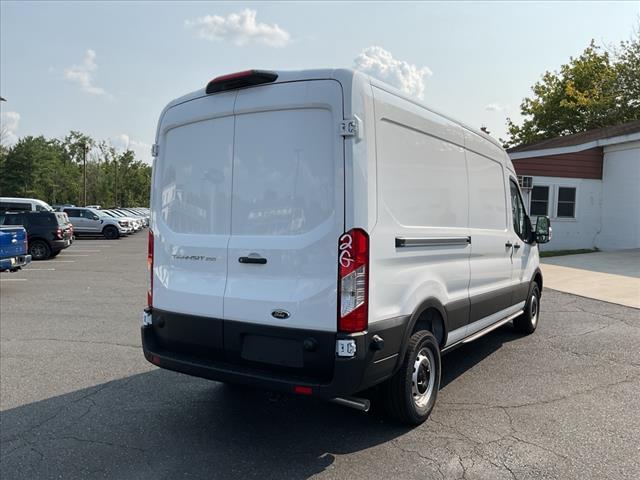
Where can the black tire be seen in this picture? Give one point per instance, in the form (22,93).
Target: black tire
(110,232)
(408,396)
(528,321)
(39,250)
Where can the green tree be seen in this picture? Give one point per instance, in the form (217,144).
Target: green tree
(596,89)
(52,170)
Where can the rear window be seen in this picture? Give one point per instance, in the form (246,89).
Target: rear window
(44,220)
(193,177)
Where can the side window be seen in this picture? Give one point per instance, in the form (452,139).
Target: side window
(15,220)
(16,207)
(566,202)
(540,200)
(518,211)
(73,213)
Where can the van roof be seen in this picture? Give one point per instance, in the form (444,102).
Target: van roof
(346,75)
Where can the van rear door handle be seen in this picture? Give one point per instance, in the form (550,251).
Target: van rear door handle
(516,246)
(508,244)
(258,260)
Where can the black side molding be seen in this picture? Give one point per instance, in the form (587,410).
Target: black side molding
(402,242)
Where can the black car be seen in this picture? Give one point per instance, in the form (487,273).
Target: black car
(47,232)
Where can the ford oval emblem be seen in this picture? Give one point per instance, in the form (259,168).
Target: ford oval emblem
(280,314)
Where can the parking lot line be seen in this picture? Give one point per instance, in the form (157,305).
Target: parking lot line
(72,255)
(62,261)
(13,279)
(38,270)
(89,251)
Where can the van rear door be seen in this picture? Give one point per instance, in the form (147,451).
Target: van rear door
(287,205)
(192,206)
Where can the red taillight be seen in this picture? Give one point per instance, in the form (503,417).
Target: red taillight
(150,267)
(59,234)
(353,280)
(240,79)
(302,390)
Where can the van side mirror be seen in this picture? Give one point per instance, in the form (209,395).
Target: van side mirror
(543,229)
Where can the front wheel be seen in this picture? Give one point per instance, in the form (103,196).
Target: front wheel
(528,321)
(410,395)
(110,232)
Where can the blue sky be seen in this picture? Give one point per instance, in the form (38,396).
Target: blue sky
(109,68)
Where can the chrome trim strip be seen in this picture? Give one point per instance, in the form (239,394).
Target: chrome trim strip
(490,328)
(402,242)
(386,358)
(483,332)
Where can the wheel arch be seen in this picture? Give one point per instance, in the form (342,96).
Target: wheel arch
(537,278)
(429,315)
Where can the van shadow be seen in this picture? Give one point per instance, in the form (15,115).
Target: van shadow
(164,425)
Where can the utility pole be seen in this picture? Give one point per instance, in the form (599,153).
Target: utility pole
(116,165)
(85,148)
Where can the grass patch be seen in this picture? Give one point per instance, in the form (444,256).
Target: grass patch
(560,253)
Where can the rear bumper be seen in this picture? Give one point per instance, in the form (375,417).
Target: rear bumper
(57,245)
(272,358)
(14,263)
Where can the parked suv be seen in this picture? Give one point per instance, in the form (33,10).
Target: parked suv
(47,232)
(360,237)
(87,221)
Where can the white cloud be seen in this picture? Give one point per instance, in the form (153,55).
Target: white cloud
(9,122)
(239,28)
(142,150)
(83,74)
(379,63)
(495,107)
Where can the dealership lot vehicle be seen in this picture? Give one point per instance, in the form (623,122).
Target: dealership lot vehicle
(13,248)
(80,401)
(48,232)
(17,204)
(329,235)
(87,221)
(128,224)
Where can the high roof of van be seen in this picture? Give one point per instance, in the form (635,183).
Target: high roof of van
(345,76)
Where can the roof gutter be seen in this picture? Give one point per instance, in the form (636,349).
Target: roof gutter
(603,142)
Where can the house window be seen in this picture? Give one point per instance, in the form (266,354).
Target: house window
(566,202)
(540,200)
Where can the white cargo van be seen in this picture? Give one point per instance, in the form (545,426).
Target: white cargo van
(318,232)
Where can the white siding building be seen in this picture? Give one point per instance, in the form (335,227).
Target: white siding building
(588,184)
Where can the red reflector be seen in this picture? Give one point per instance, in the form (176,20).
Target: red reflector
(240,79)
(302,390)
(155,359)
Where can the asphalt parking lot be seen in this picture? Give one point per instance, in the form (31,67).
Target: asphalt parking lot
(78,400)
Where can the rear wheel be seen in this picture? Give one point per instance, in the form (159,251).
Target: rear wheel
(528,321)
(410,395)
(110,232)
(39,250)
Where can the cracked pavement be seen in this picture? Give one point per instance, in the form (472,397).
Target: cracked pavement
(78,400)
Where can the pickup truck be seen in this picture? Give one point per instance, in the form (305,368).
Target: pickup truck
(13,249)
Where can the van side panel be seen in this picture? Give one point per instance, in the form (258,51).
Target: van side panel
(423,201)
(490,285)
